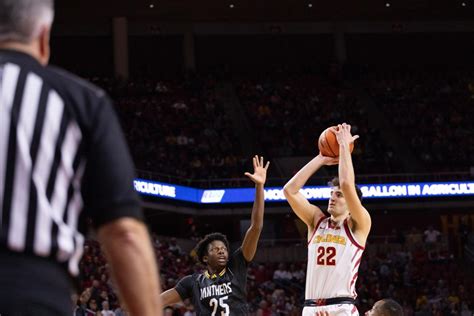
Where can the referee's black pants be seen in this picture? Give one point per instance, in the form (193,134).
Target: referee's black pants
(32,286)
(29,309)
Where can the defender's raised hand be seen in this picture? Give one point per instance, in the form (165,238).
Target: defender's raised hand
(259,175)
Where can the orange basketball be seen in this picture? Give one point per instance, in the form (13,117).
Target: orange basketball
(328,145)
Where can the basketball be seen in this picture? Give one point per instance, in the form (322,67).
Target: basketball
(328,145)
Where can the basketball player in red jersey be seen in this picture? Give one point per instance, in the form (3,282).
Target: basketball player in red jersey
(335,243)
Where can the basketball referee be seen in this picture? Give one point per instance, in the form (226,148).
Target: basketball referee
(63,159)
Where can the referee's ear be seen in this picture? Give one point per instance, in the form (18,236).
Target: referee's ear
(44,49)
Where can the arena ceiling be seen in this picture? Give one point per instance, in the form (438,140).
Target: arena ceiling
(265,10)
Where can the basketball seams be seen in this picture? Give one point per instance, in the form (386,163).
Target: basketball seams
(334,151)
(322,144)
(328,144)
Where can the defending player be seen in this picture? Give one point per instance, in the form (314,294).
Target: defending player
(221,289)
(335,243)
(383,307)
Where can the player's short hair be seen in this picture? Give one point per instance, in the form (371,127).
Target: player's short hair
(22,20)
(201,247)
(335,183)
(390,307)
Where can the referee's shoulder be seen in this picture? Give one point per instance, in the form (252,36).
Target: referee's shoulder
(83,98)
(72,82)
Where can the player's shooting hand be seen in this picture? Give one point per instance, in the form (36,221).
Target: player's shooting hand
(322,313)
(328,161)
(343,134)
(259,175)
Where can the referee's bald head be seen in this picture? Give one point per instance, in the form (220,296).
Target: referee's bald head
(23,20)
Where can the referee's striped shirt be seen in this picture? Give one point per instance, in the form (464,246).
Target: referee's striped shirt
(63,158)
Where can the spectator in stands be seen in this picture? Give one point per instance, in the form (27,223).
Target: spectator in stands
(282,274)
(261,274)
(413,238)
(95,289)
(93,308)
(189,311)
(120,311)
(297,273)
(465,311)
(174,247)
(407,309)
(431,236)
(104,296)
(81,306)
(264,309)
(106,309)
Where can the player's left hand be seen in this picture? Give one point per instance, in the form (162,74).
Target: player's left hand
(343,134)
(259,175)
(328,161)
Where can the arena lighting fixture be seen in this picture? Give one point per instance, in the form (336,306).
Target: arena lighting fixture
(231,6)
(151,6)
(463,4)
(310,5)
(387,4)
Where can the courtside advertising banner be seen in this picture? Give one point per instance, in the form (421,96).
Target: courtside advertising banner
(275,194)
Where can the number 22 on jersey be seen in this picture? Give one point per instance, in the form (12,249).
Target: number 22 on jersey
(326,256)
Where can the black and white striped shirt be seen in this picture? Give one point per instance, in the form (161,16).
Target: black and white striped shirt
(61,152)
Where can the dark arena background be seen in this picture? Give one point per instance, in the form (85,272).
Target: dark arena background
(202,86)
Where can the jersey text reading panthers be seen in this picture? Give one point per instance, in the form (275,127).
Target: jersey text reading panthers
(218,295)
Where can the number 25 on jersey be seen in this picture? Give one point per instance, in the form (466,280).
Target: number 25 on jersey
(326,256)
(214,303)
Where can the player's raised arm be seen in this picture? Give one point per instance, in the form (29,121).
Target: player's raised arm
(359,215)
(307,212)
(259,176)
